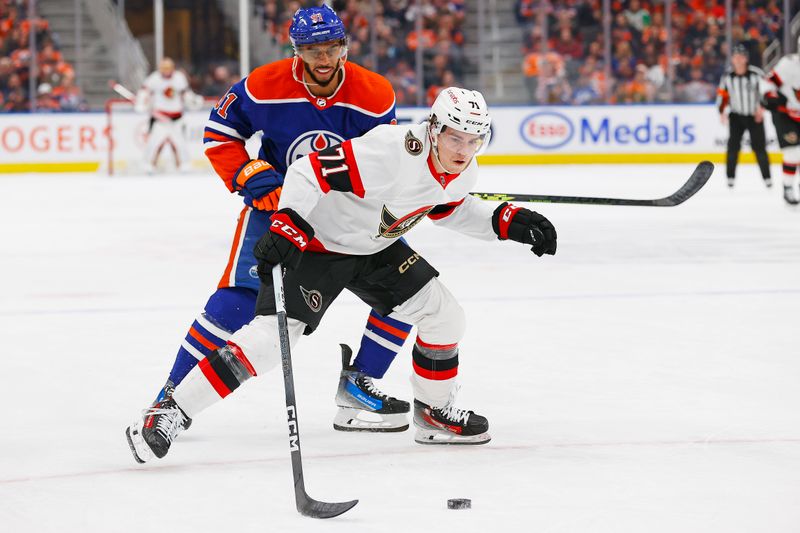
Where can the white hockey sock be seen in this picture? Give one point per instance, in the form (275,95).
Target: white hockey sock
(260,345)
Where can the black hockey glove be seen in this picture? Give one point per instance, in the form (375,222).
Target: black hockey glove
(525,226)
(285,242)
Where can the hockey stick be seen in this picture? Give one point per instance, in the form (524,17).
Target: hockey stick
(128,95)
(695,182)
(306,505)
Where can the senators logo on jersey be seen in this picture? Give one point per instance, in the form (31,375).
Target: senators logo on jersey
(392,227)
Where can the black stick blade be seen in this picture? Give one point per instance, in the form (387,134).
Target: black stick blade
(695,182)
(315,509)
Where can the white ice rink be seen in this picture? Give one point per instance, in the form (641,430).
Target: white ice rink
(645,379)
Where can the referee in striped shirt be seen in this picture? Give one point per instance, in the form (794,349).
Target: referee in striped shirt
(739,90)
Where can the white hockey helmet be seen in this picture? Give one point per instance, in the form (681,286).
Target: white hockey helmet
(462,110)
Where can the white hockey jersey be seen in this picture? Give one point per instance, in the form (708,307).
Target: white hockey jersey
(361,195)
(785,79)
(163,95)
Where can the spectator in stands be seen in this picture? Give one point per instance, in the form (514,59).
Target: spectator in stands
(552,87)
(589,88)
(6,69)
(532,68)
(568,45)
(70,97)
(697,90)
(636,16)
(16,99)
(623,62)
(404,82)
(218,82)
(638,89)
(45,101)
(446,80)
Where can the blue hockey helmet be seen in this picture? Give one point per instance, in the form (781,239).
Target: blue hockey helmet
(315,25)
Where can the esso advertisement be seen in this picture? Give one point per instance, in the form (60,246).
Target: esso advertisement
(624,129)
(589,129)
(547,130)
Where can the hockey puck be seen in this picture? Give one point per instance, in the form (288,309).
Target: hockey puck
(459,503)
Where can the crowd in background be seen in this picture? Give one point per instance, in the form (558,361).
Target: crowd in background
(563,49)
(54,86)
(392,49)
(564,59)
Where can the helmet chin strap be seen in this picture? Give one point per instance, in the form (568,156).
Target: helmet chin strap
(340,65)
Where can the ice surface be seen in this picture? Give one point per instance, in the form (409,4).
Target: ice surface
(645,379)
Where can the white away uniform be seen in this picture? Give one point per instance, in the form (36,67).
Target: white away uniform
(360,197)
(165,98)
(393,188)
(782,98)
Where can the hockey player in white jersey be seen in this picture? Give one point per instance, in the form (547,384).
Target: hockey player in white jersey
(340,216)
(782,98)
(165,94)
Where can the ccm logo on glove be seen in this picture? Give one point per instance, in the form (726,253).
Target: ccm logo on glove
(285,229)
(287,238)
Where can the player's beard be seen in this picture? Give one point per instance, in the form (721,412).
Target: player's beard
(334,76)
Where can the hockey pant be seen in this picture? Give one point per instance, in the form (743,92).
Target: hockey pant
(167,133)
(255,350)
(233,305)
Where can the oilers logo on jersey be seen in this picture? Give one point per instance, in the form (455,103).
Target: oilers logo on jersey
(312,141)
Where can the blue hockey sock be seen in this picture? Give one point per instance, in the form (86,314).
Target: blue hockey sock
(383,338)
(226,311)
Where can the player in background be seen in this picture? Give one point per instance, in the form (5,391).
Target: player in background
(306,103)
(739,93)
(165,94)
(387,181)
(782,98)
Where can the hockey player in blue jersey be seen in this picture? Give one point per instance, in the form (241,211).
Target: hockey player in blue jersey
(302,104)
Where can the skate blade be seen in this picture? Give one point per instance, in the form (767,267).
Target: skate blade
(435,436)
(141,452)
(349,419)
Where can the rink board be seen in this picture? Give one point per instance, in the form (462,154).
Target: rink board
(70,142)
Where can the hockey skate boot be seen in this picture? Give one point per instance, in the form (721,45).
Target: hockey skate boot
(154,432)
(166,394)
(449,425)
(768,182)
(362,406)
(789,195)
(731,182)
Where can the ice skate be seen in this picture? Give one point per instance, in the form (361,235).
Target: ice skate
(362,406)
(731,182)
(153,433)
(790,195)
(768,182)
(166,394)
(449,425)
